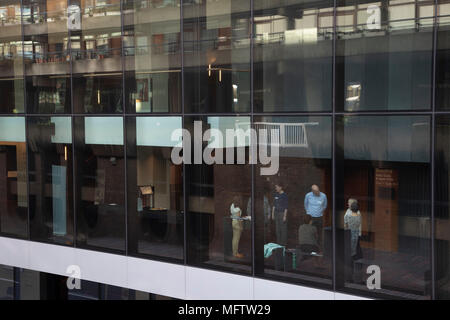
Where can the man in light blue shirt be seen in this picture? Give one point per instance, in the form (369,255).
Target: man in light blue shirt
(315,205)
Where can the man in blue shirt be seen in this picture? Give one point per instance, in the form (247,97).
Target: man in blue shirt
(279,214)
(315,205)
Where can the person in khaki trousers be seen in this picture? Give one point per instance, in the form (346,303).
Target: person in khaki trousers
(238,226)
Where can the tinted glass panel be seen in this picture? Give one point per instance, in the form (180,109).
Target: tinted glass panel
(389,227)
(96,51)
(293,224)
(11,58)
(443,57)
(293,55)
(155,188)
(217,55)
(100,183)
(218,205)
(50,179)
(152,56)
(384,55)
(442,206)
(13,177)
(47,60)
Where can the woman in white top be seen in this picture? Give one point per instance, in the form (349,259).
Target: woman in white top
(237,225)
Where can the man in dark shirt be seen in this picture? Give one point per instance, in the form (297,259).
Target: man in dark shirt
(279,214)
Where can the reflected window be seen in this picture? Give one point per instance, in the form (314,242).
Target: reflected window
(384,55)
(99,184)
(97,93)
(218,194)
(217,56)
(442,57)
(442,206)
(50,179)
(293,238)
(13,177)
(152,56)
(383,204)
(6,282)
(155,188)
(11,58)
(293,56)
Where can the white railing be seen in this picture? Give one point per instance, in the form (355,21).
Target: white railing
(283,134)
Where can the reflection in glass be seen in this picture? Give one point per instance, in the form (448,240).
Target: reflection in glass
(152,56)
(6,282)
(217,56)
(50,178)
(384,55)
(96,53)
(13,177)
(442,206)
(389,179)
(218,206)
(293,237)
(11,54)
(293,55)
(97,93)
(99,184)
(46,56)
(442,57)
(155,188)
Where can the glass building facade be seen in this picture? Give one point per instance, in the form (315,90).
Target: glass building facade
(91,91)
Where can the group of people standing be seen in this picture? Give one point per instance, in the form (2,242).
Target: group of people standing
(310,232)
(315,203)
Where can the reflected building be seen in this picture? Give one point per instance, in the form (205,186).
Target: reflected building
(353,94)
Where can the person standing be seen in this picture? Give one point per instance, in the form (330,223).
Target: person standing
(279,214)
(238,226)
(352,222)
(315,205)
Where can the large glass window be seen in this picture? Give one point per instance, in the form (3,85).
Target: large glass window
(6,282)
(50,179)
(383,204)
(217,56)
(100,182)
(152,56)
(96,51)
(218,194)
(155,188)
(13,177)
(47,61)
(293,237)
(442,206)
(11,58)
(443,56)
(384,55)
(293,55)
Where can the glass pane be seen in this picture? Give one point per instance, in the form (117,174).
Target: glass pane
(383,56)
(442,206)
(96,51)
(218,206)
(47,61)
(443,57)
(293,55)
(383,205)
(100,183)
(13,177)
(50,179)
(152,56)
(293,204)
(217,55)
(155,188)
(6,282)
(11,58)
